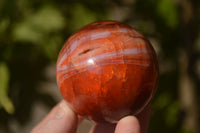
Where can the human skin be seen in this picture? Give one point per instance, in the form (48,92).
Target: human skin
(61,119)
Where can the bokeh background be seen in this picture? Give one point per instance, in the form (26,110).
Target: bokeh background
(33,31)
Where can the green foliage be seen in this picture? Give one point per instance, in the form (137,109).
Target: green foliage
(39,24)
(81,16)
(167,10)
(4,25)
(5,101)
(41,28)
(172,112)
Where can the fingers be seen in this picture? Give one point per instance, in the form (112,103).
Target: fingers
(135,124)
(60,120)
(129,124)
(63,120)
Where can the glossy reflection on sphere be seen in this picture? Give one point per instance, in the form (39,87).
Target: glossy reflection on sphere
(107,70)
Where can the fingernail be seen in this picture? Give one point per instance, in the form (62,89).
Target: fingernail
(62,110)
(128,124)
(60,113)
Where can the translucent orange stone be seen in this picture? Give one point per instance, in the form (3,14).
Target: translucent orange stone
(107,70)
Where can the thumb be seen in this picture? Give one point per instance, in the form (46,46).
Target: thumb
(60,120)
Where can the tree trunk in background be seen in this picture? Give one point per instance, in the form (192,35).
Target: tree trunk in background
(187,95)
(187,86)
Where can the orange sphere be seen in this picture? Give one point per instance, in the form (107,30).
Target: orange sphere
(107,70)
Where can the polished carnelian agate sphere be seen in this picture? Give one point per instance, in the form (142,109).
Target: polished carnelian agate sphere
(107,70)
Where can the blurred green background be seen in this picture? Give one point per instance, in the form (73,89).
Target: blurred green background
(33,31)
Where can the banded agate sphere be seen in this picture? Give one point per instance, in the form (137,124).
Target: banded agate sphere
(107,70)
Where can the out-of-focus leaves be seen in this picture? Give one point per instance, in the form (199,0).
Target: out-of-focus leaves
(4,25)
(51,46)
(162,101)
(81,16)
(172,113)
(5,102)
(25,32)
(42,28)
(37,25)
(167,10)
(48,19)
(170,108)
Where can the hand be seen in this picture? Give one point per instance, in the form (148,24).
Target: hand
(63,120)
